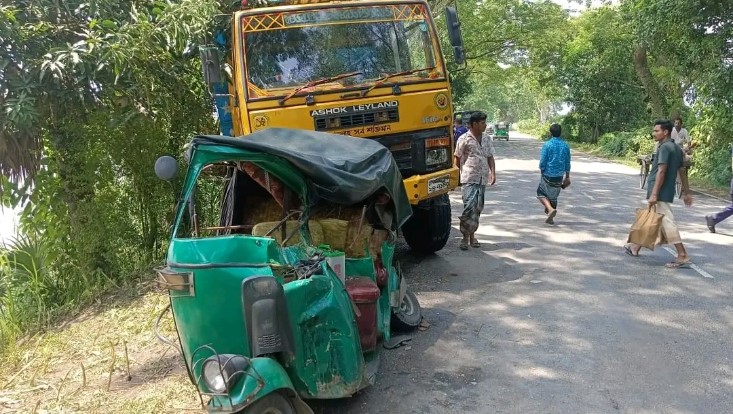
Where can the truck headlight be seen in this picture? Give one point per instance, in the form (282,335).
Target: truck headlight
(436,156)
(221,372)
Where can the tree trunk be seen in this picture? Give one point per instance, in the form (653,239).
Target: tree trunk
(641,65)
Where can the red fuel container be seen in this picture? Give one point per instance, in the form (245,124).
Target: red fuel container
(365,293)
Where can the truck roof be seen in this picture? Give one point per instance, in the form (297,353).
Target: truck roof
(291,5)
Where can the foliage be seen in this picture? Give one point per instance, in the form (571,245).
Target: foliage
(534,128)
(617,68)
(32,292)
(92,93)
(602,85)
(627,144)
(500,36)
(713,156)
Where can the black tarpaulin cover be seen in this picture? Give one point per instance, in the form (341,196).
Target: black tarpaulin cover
(341,169)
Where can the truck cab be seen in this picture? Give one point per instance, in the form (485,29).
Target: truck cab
(367,69)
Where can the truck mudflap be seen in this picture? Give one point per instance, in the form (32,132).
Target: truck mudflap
(264,376)
(423,187)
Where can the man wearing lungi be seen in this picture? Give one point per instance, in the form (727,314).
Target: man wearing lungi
(475,157)
(661,191)
(554,172)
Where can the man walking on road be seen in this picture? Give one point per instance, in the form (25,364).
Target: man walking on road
(554,170)
(475,157)
(661,191)
(716,218)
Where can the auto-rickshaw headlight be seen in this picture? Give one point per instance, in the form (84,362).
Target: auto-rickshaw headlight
(221,372)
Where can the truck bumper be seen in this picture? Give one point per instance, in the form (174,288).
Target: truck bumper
(423,187)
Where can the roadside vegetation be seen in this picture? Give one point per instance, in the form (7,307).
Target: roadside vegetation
(605,75)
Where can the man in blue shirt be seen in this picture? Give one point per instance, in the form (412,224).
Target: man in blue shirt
(555,172)
(458,130)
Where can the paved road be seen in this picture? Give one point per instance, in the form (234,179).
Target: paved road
(557,319)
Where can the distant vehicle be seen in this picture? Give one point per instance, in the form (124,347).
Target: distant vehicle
(501,131)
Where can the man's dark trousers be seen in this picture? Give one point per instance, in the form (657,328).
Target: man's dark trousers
(727,211)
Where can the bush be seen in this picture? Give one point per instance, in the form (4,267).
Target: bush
(643,141)
(569,125)
(712,164)
(626,144)
(534,127)
(714,135)
(616,144)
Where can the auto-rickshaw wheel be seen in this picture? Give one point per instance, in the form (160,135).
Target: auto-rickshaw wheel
(409,315)
(273,403)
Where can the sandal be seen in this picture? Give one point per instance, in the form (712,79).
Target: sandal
(678,265)
(630,252)
(475,243)
(463,245)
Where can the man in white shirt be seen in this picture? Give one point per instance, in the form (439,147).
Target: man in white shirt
(474,155)
(679,134)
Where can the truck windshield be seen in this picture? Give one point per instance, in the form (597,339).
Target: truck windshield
(285,51)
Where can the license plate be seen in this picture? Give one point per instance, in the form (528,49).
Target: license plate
(438,184)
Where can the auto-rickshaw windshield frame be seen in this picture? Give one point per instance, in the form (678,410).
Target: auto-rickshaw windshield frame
(203,155)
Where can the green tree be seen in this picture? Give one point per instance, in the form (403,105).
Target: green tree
(91,93)
(602,86)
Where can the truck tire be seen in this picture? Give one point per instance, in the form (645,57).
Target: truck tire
(428,230)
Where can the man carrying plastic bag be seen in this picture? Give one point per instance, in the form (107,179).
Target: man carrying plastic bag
(660,195)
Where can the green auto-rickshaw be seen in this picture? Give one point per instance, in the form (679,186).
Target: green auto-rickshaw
(281,271)
(501,131)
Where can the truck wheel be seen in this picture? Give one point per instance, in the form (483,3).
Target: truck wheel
(409,315)
(428,229)
(274,403)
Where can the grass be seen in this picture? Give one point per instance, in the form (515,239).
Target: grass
(105,360)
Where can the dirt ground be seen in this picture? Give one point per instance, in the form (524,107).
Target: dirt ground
(107,360)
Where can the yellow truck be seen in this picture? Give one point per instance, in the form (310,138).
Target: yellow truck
(368,69)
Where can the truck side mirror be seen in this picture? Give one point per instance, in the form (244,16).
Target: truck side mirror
(454,34)
(210,66)
(166,167)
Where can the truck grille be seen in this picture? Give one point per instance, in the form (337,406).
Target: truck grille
(401,147)
(382,116)
(403,158)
